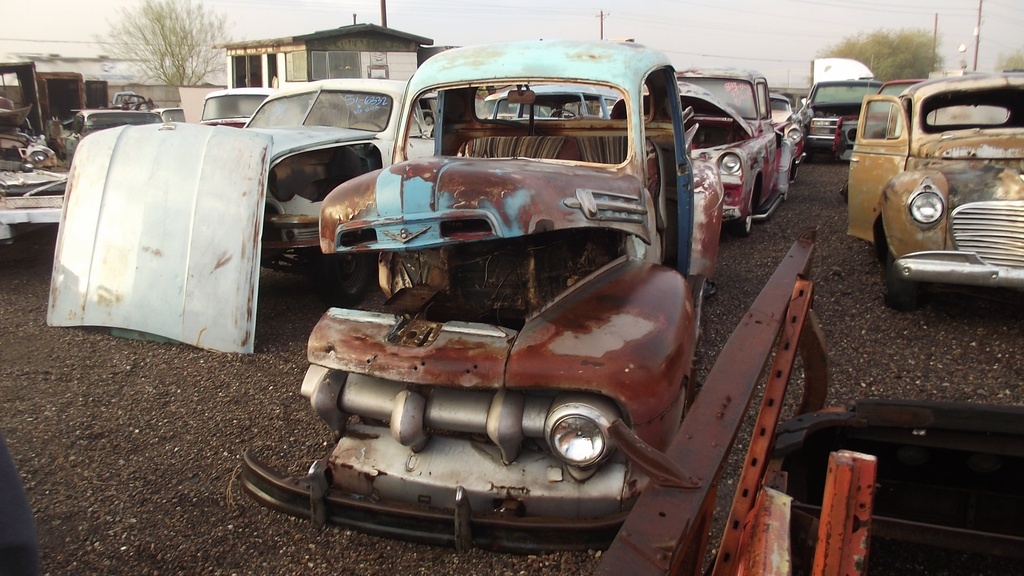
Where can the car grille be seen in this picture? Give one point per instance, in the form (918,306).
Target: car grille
(994,230)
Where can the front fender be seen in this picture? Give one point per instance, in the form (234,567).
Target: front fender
(903,235)
(626,333)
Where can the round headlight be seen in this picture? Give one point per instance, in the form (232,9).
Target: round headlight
(578,440)
(926,207)
(794,134)
(730,164)
(576,428)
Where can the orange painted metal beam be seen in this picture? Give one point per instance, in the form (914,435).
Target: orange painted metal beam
(844,527)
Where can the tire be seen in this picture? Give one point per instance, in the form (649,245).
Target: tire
(343,280)
(901,294)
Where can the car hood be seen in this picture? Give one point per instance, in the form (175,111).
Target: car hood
(160,234)
(433,201)
(705,104)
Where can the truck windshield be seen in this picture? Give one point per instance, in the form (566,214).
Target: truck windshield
(737,94)
(843,93)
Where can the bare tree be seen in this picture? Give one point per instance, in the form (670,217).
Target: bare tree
(171,40)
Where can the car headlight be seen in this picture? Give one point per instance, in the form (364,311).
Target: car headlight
(576,429)
(926,204)
(794,134)
(730,164)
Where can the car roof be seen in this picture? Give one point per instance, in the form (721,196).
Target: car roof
(390,87)
(725,72)
(968,82)
(234,91)
(588,61)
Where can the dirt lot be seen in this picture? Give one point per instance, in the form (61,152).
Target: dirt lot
(130,450)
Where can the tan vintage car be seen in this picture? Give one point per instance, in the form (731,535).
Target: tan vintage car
(936,185)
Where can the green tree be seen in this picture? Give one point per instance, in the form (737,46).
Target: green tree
(1011,61)
(891,55)
(171,40)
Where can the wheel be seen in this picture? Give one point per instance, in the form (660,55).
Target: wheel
(344,279)
(901,294)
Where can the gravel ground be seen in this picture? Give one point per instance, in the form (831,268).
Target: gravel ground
(130,451)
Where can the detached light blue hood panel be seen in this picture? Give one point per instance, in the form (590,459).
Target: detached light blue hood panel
(160,234)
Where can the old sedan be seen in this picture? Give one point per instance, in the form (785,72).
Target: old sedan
(936,184)
(734,130)
(544,284)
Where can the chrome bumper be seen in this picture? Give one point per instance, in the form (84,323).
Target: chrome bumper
(456,524)
(962,268)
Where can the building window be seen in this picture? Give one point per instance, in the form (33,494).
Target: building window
(247,71)
(295,67)
(334,65)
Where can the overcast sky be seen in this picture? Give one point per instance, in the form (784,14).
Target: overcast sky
(777,37)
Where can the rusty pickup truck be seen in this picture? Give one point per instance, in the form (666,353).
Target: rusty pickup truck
(544,285)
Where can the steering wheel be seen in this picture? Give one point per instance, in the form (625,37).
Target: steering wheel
(563,113)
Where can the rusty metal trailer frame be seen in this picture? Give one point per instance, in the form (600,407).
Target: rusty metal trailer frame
(815,490)
(667,530)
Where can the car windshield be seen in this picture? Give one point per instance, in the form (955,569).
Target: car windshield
(842,93)
(99,121)
(232,106)
(173,115)
(780,105)
(735,93)
(340,109)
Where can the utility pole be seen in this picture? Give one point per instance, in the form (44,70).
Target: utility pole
(384,13)
(601,16)
(935,39)
(977,37)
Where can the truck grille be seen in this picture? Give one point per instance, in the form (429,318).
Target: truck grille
(824,126)
(412,415)
(994,230)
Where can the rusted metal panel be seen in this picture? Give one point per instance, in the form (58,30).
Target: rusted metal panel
(161,238)
(768,415)
(661,535)
(844,529)
(509,198)
(388,346)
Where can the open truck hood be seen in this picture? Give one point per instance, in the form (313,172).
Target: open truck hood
(160,234)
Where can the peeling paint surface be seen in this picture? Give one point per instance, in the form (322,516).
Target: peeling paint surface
(149,246)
